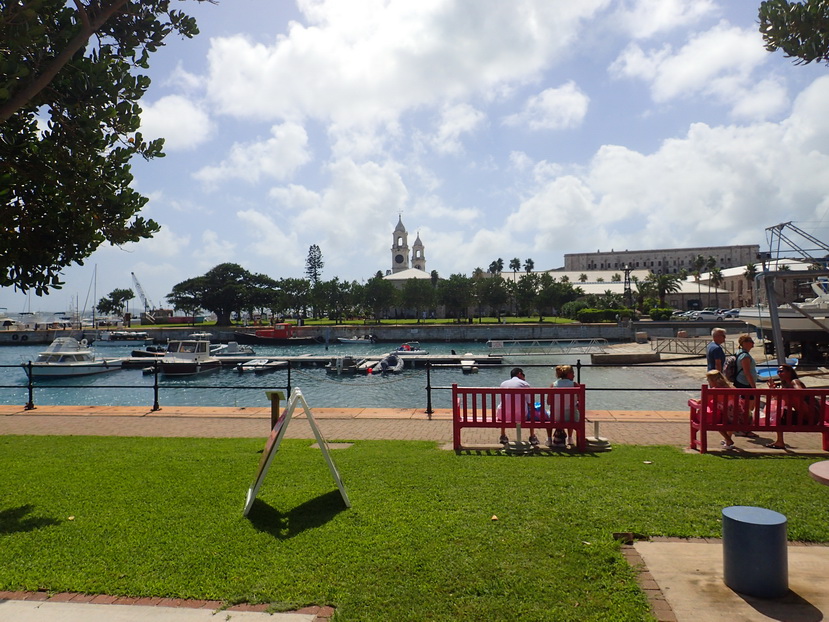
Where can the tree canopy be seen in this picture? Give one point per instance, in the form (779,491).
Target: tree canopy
(800,29)
(69,119)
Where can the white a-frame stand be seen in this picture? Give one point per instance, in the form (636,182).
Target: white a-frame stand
(275,440)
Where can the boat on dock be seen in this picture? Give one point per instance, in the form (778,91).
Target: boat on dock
(389,364)
(410,347)
(260,366)
(123,338)
(232,348)
(344,365)
(187,357)
(66,357)
(279,334)
(469,364)
(357,340)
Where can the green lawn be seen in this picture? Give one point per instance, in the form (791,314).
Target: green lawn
(163,517)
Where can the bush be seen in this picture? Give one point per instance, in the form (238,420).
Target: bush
(604,315)
(659,314)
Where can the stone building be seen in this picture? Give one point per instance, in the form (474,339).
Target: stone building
(662,261)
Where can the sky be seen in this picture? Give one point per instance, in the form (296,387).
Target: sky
(494,129)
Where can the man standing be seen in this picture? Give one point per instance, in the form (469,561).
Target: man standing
(516,409)
(714,354)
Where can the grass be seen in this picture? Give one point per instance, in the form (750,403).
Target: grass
(162,517)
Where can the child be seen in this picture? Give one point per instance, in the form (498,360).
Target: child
(563,411)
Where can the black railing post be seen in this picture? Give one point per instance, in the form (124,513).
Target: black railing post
(429,410)
(289,378)
(30,405)
(156,405)
(578,371)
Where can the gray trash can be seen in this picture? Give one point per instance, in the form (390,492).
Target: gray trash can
(755,558)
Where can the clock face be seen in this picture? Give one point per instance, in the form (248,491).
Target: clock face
(399,258)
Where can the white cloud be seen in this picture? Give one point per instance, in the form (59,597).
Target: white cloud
(718,63)
(716,183)
(183,124)
(456,120)
(364,63)
(278,157)
(553,109)
(645,18)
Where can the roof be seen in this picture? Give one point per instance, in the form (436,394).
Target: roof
(405,275)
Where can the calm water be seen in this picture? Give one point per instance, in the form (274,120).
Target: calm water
(226,387)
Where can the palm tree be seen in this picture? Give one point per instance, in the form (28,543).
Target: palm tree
(565,279)
(699,265)
(616,278)
(716,279)
(710,264)
(662,285)
(529,264)
(515,266)
(749,274)
(582,278)
(493,268)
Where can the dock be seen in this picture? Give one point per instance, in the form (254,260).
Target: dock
(318,360)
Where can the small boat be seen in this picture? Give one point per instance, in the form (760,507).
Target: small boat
(791,321)
(357,340)
(150,352)
(66,356)
(187,357)
(232,348)
(279,334)
(344,365)
(121,338)
(469,365)
(260,366)
(410,347)
(200,335)
(389,364)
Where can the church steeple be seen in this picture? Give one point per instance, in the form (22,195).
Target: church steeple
(418,257)
(400,247)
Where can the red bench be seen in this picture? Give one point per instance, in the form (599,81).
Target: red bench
(758,410)
(496,407)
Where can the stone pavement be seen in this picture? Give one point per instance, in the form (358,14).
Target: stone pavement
(674,589)
(619,427)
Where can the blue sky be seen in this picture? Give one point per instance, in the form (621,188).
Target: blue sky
(528,129)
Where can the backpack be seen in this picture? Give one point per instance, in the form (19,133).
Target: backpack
(729,369)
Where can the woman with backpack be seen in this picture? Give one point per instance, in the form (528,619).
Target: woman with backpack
(746,376)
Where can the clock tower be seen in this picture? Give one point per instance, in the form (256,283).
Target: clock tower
(399,248)
(418,258)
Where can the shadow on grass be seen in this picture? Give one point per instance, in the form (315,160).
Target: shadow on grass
(14,520)
(309,515)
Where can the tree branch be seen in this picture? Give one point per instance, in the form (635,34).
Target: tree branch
(42,80)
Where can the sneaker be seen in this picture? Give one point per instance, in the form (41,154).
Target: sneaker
(558,442)
(726,445)
(534,440)
(504,439)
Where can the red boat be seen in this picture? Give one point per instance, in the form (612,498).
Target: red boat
(278,334)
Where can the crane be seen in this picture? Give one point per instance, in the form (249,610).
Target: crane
(145,301)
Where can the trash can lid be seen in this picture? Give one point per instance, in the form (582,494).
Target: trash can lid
(753,515)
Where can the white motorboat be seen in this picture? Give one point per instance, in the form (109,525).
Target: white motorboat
(232,348)
(118,338)
(187,357)
(791,320)
(260,366)
(469,364)
(410,347)
(66,356)
(357,340)
(344,365)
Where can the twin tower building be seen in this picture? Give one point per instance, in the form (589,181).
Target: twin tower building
(401,259)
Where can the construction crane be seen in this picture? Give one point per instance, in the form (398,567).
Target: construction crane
(145,301)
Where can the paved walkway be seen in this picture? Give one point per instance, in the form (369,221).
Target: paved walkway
(340,424)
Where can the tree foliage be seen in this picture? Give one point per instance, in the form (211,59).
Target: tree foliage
(800,29)
(115,301)
(69,115)
(222,290)
(314,264)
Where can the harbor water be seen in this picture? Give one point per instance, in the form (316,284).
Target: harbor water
(617,388)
